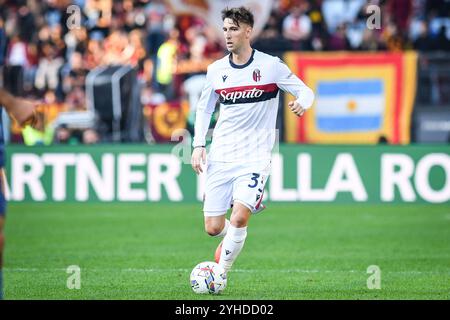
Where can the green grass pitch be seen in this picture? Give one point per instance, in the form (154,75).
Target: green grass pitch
(295,251)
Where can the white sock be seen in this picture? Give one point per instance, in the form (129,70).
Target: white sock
(224,230)
(232,246)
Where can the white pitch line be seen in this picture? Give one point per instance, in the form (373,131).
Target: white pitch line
(156,270)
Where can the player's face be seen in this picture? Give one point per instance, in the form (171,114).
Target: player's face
(236,37)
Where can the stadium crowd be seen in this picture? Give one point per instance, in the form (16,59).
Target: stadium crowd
(42,56)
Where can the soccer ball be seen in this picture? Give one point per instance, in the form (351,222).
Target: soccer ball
(208,277)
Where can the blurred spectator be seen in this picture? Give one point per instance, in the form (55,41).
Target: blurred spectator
(146,72)
(315,15)
(151,97)
(272,29)
(74,83)
(30,68)
(116,48)
(3,41)
(76,40)
(17,61)
(62,135)
(369,41)
(47,74)
(213,49)
(297,27)
(56,37)
(418,19)
(193,88)
(134,15)
(95,51)
(25,23)
(400,11)
(337,12)
(438,8)
(90,136)
(423,41)
(391,36)
(436,24)
(166,64)
(137,48)
(156,28)
(191,54)
(270,39)
(19,69)
(357,31)
(196,43)
(319,32)
(338,40)
(99,14)
(442,41)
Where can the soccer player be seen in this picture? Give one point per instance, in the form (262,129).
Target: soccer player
(247,84)
(25,113)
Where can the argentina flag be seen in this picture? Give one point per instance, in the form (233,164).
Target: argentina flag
(350,105)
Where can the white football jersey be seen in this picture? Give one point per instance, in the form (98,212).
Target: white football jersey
(249,99)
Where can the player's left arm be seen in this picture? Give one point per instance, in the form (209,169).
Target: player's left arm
(289,82)
(24,111)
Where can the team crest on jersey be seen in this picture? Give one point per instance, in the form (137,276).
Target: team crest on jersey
(256,75)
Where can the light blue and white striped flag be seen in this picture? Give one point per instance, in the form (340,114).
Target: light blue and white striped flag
(350,105)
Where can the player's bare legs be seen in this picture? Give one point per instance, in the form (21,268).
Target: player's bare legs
(240,215)
(234,239)
(215,225)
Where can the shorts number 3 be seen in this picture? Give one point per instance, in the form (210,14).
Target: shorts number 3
(255,179)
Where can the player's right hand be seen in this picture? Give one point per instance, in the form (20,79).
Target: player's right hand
(26,112)
(198,158)
(296,108)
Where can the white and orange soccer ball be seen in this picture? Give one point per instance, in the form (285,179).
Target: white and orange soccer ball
(208,277)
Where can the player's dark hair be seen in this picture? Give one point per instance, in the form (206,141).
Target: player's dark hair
(240,14)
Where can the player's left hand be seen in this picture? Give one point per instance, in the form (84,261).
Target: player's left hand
(296,108)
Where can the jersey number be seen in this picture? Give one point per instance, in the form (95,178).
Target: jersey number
(255,179)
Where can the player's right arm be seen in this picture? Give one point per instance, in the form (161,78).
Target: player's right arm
(205,109)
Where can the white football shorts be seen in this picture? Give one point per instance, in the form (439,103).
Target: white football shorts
(229,182)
